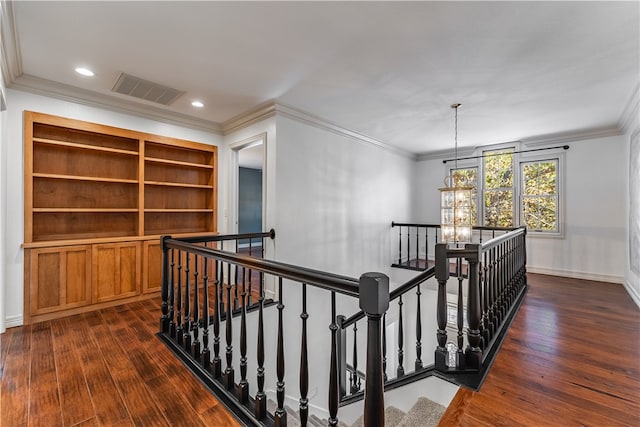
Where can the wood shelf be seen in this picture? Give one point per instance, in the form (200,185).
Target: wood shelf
(178,163)
(85,147)
(178,184)
(179,210)
(95,198)
(85,210)
(84,178)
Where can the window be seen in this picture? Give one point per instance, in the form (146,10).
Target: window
(539,191)
(498,192)
(468,177)
(513,189)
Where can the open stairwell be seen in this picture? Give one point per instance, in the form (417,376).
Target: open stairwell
(424,413)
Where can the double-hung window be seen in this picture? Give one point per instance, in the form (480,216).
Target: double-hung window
(539,195)
(512,189)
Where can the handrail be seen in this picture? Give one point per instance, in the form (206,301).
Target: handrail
(400,290)
(332,282)
(500,239)
(224,237)
(475,227)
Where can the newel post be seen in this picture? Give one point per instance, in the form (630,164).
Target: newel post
(374,301)
(474,310)
(442,276)
(164,319)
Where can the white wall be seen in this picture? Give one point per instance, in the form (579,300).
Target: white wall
(593,245)
(335,200)
(632,280)
(14,174)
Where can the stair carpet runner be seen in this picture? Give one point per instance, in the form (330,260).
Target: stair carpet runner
(424,413)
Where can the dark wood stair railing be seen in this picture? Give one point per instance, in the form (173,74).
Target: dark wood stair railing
(415,241)
(496,285)
(187,265)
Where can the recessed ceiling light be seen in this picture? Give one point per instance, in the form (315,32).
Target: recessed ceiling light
(197,104)
(84,71)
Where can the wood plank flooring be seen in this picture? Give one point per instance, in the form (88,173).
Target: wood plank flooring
(570,358)
(104,368)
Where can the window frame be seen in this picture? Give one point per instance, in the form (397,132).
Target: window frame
(559,157)
(518,160)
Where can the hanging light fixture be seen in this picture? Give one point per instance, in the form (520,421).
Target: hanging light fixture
(455,202)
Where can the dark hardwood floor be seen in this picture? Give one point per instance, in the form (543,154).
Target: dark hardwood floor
(104,368)
(571,357)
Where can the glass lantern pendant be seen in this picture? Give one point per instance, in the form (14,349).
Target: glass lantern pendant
(455,203)
(455,212)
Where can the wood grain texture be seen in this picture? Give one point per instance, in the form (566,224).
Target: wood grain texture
(571,357)
(102,368)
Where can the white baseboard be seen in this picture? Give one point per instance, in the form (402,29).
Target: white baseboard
(13,321)
(635,296)
(576,274)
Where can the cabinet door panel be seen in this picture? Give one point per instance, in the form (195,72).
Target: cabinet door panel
(116,270)
(60,278)
(152,281)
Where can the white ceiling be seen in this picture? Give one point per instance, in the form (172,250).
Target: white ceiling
(388,70)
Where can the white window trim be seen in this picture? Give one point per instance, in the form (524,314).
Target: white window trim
(537,157)
(518,159)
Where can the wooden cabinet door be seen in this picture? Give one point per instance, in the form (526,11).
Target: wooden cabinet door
(152,268)
(116,270)
(59,278)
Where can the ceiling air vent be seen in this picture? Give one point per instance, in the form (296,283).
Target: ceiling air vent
(144,89)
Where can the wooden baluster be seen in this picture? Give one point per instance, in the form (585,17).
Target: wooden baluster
(250,273)
(242,391)
(172,292)
(228,377)
(400,370)
(494,289)
(219,282)
(280,416)
(384,346)
(166,304)
(355,380)
(261,398)
(417,247)
(473,352)
(426,247)
(206,353)
(484,337)
(304,362)
(486,298)
(221,297)
(399,245)
(195,347)
(334,386)
(418,364)
(408,245)
(442,276)
(179,331)
(187,309)
(374,301)
(460,315)
(235,281)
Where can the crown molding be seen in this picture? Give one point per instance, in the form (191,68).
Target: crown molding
(39,86)
(320,123)
(631,111)
(564,137)
(254,115)
(11,61)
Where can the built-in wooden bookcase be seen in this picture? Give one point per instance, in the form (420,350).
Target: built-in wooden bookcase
(112,192)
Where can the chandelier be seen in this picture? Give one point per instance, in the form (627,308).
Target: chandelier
(455,202)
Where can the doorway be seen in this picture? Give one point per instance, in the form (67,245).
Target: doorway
(248,192)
